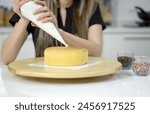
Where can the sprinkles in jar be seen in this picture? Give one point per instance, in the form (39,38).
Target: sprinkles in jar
(141,65)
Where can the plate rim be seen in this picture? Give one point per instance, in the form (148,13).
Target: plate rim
(22,72)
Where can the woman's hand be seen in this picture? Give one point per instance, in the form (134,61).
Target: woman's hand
(17,5)
(45,15)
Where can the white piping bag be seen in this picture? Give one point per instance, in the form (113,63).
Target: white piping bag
(27,11)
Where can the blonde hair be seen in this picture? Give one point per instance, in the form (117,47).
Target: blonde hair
(82,12)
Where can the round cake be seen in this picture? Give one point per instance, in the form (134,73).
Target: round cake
(65,56)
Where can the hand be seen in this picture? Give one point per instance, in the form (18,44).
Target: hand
(45,15)
(17,5)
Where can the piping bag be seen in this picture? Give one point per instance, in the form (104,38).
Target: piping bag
(27,11)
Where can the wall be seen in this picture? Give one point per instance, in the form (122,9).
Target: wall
(124,12)
(7,3)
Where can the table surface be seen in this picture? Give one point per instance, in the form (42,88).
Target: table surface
(121,84)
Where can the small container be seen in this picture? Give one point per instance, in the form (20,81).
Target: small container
(141,65)
(125,58)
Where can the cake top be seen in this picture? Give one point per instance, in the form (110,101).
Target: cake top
(65,49)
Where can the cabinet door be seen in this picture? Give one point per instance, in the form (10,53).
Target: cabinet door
(27,50)
(1,39)
(113,43)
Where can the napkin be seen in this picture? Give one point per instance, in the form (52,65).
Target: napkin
(27,11)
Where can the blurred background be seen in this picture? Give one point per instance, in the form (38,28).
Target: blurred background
(128,23)
(115,12)
(126,12)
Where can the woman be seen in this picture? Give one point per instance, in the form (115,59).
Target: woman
(78,21)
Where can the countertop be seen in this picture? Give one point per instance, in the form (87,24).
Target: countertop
(107,30)
(128,30)
(121,84)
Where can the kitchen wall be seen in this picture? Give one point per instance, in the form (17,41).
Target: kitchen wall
(124,12)
(7,3)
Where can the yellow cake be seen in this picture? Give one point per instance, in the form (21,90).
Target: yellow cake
(65,56)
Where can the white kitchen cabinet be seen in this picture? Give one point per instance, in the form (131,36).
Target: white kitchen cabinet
(1,38)
(27,50)
(137,41)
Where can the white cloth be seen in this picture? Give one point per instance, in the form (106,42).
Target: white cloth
(27,11)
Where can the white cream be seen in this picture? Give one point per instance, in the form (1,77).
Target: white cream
(27,11)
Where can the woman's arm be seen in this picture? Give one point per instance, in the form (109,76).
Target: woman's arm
(13,43)
(93,44)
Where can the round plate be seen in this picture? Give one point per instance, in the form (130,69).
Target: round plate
(22,68)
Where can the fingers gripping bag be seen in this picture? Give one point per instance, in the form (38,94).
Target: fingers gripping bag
(28,9)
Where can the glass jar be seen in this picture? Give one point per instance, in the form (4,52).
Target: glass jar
(141,65)
(125,58)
